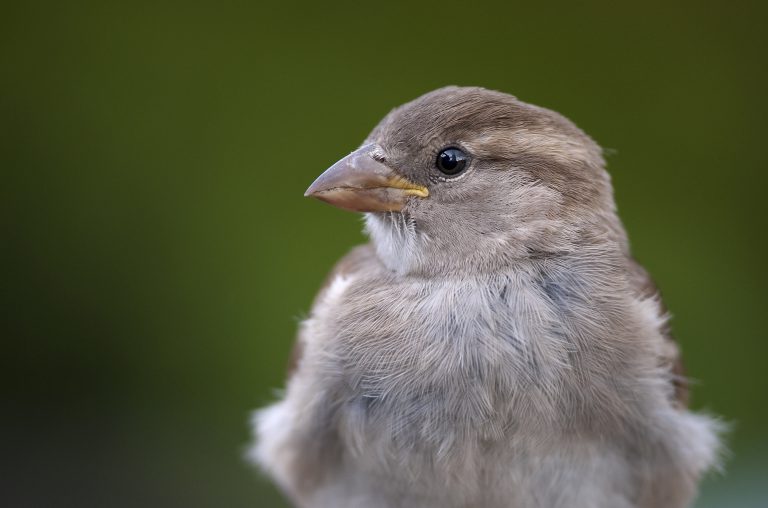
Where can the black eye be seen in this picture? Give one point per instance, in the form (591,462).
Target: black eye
(451,161)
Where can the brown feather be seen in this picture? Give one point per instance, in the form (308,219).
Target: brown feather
(672,358)
(353,261)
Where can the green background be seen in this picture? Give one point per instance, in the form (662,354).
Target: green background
(158,253)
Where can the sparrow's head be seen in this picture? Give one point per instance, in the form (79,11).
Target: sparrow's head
(471,179)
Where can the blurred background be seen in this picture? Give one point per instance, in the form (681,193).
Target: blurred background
(158,253)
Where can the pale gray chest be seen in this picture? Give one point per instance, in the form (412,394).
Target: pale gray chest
(434,361)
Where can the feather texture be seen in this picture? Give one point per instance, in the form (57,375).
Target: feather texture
(495,345)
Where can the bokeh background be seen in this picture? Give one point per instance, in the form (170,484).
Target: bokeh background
(158,253)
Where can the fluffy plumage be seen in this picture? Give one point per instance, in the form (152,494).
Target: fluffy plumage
(495,345)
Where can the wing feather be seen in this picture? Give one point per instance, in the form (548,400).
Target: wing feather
(359,258)
(671,355)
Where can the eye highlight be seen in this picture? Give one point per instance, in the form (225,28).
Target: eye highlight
(451,161)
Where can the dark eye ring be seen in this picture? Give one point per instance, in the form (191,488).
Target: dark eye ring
(451,161)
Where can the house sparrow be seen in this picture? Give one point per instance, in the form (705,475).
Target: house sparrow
(495,344)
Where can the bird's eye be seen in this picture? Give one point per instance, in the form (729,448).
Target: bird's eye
(451,161)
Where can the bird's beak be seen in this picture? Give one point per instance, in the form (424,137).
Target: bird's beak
(360,183)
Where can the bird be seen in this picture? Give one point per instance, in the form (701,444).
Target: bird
(494,344)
